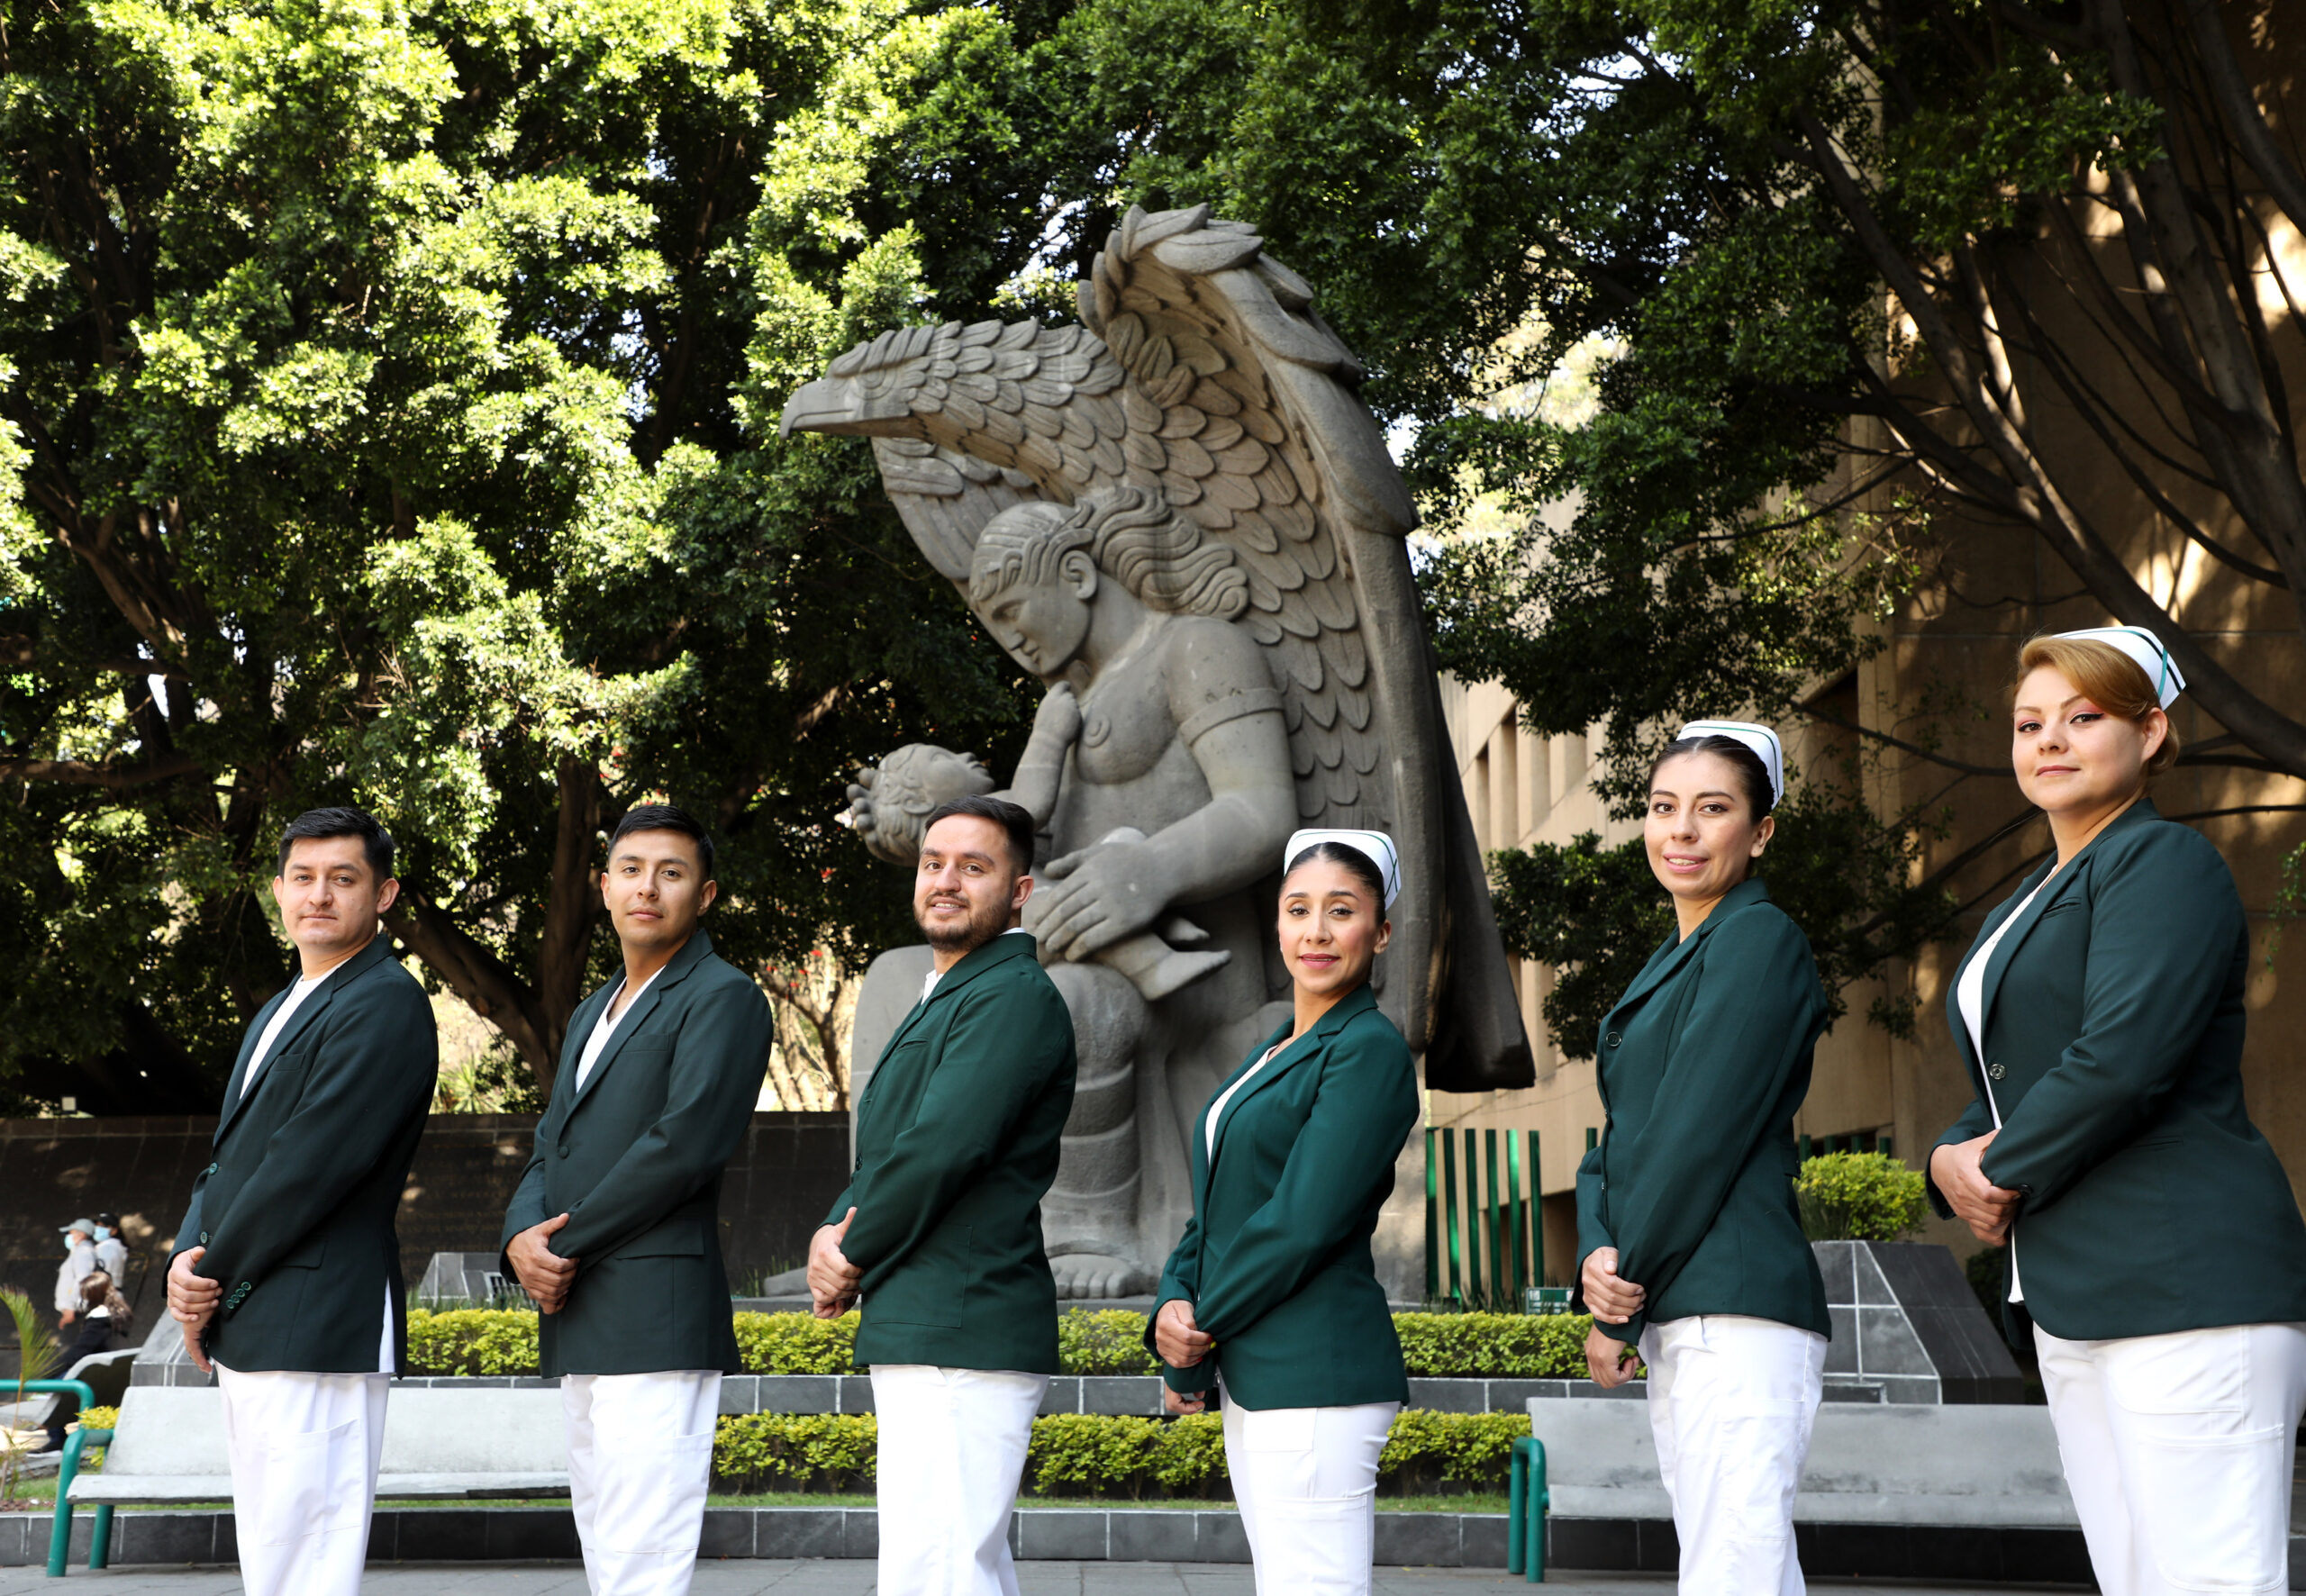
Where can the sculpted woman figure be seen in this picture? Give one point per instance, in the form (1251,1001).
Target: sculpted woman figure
(2155,1253)
(1162,774)
(1690,1247)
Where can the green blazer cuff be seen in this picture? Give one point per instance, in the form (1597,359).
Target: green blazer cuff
(1194,1382)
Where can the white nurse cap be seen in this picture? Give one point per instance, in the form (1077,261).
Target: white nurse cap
(1374,846)
(1760,739)
(2143,646)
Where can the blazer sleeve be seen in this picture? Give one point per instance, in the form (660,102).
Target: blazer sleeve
(710,1090)
(2167,928)
(526,1210)
(1756,1013)
(372,1069)
(1593,1232)
(1363,1112)
(1181,1282)
(1007,1041)
(1975,1122)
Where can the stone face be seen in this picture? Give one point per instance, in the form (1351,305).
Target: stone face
(1182,518)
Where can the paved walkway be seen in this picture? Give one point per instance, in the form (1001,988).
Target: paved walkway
(855,1579)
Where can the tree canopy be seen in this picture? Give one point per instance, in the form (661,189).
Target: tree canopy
(392,393)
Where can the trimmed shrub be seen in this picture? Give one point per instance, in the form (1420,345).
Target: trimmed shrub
(1494,1345)
(99,1417)
(1859,1197)
(1097,1454)
(754,1452)
(472,1341)
(1449,1451)
(796,1344)
(1107,1341)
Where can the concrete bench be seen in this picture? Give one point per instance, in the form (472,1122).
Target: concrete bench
(441,1444)
(1979,1466)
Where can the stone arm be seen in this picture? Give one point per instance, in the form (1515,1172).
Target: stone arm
(1040,768)
(1230,717)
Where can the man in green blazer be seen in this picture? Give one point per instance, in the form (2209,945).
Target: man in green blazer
(958,1136)
(615,1229)
(285,1275)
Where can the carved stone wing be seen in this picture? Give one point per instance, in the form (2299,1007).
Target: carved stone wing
(1241,405)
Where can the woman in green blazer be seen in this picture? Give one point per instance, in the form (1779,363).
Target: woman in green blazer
(1689,1244)
(1271,1293)
(2155,1249)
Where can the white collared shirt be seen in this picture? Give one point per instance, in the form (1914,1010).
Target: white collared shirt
(606,1025)
(928,983)
(1218,1108)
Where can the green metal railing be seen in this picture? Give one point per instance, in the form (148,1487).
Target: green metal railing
(60,1540)
(1496,1233)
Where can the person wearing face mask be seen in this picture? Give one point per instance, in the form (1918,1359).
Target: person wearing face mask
(1690,1244)
(1271,1296)
(615,1227)
(2154,1248)
(112,1252)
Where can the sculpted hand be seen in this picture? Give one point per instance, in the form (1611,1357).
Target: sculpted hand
(833,1278)
(1092,899)
(1986,1208)
(1059,717)
(1610,1361)
(1176,1401)
(543,1273)
(1613,1299)
(1179,1340)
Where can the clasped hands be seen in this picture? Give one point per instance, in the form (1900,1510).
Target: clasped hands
(833,1278)
(1986,1208)
(543,1273)
(1181,1343)
(1614,1300)
(193,1300)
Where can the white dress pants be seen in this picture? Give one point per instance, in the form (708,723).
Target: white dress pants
(639,1459)
(1305,1480)
(1732,1400)
(952,1451)
(305,1450)
(2178,1449)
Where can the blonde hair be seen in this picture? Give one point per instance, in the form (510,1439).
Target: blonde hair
(2108,678)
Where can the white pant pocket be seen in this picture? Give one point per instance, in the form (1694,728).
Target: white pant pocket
(309,1484)
(651,1498)
(2215,1520)
(1278,1429)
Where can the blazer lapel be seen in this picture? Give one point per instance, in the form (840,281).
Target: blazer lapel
(2047,898)
(236,1089)
(1003,948)
(572,1049)
(1672,956)
(629,1023)
(1305,1046)
(298,1023)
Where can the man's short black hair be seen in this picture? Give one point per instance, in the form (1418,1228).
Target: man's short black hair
(376,842)
(665,817)
(1012,818)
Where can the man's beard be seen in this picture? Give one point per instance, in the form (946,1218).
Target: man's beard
(986,921)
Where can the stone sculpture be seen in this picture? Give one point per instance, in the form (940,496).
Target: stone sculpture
(1179,514)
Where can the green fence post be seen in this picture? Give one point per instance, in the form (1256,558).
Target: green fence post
(1513,1231)
(1473,1224)
(1433,1224)
(1493,1211)
(1537,1215)
(1450,1208)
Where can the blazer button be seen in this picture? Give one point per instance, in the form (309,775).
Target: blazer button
(209,1170)
(564,1150)
(1613,1039)
(1993,1072)
(204,1239)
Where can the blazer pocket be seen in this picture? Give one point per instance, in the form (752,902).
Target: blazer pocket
(676,1238)
(310,1256)
(927,1290)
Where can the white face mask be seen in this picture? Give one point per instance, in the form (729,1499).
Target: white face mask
(104,1232)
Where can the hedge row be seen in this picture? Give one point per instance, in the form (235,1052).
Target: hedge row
(1106,1456)
(492,1341)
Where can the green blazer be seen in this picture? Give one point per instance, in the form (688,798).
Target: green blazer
(633,1157)
(1275,1259)
(1703,1063)
(956,1142)
(2113,1046)
(296,1211)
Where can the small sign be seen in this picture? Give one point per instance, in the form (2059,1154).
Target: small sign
(1545,1299)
